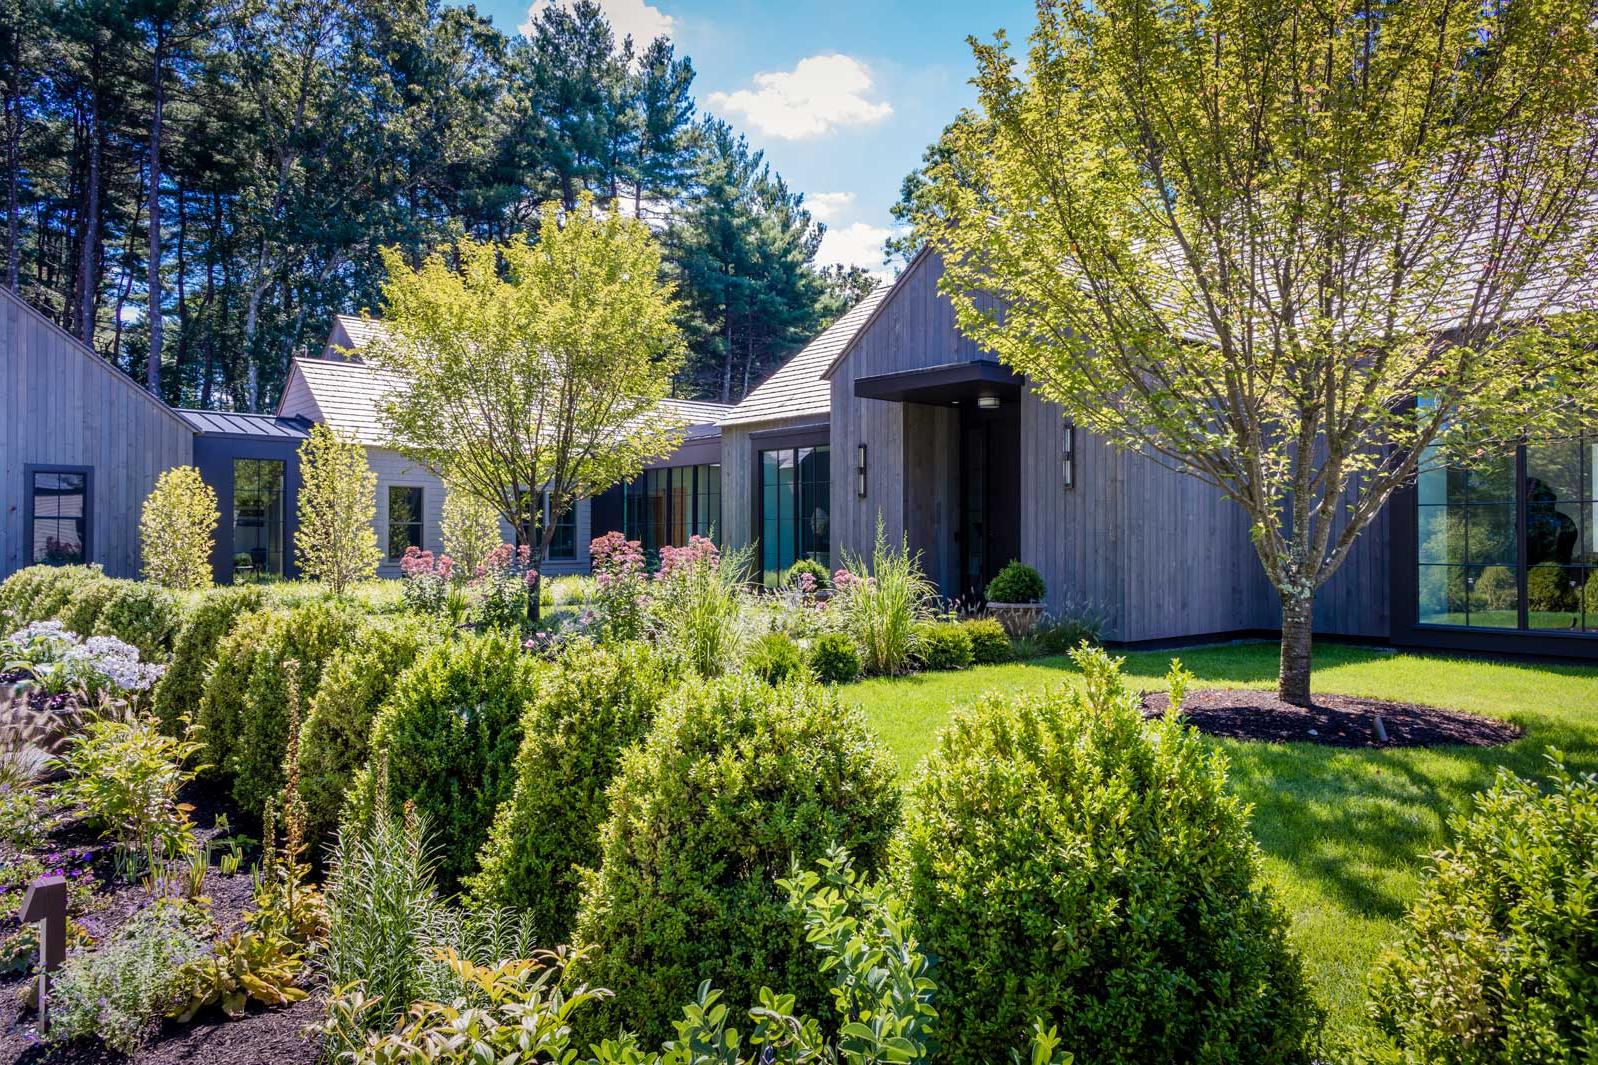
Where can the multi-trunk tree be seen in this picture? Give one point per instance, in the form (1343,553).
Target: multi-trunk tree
(1299,251)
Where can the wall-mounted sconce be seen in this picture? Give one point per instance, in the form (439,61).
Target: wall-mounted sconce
(1068,457)
(987,401)
(860,470)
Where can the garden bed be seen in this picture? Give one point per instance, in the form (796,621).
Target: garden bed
(1333,720)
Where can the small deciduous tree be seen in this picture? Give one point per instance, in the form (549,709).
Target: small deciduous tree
(470,529)
(1299,251)
(336,541)
(177,529)
(537,368)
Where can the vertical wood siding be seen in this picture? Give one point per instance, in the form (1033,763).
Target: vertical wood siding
(61,404)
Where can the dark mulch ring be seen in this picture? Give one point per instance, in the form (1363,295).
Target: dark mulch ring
(1334,720)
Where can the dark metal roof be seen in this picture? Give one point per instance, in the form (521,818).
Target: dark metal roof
(236,423)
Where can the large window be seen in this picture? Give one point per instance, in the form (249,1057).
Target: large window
(1512,544)
(795,509)
(404,520)
(564,543)
(58,515)
(257,517)
(664,507)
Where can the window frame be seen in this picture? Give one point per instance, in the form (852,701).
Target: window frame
(420,521)
(29,470)
(283,515)
(793,444)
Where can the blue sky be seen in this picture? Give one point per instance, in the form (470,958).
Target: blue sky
(842,96)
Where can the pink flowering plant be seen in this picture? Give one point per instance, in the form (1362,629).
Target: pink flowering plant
(620,595)
(427,580)
(698,606)
(502,583)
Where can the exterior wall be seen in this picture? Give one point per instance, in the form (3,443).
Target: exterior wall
(739,444)
(63,405)
(214,456)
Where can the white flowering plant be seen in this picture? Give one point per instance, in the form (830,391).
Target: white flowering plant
(59,661)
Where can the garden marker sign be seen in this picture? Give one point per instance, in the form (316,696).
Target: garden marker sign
(45,904)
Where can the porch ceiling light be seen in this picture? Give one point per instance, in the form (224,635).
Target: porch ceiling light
(987,401)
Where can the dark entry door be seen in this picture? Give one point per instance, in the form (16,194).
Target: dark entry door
(990,494)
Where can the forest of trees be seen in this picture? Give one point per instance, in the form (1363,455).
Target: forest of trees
(194,187)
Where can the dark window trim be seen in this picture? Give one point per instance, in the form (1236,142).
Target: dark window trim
(792,436)
(282,499)
(388,519)
(28,470)
(777,441)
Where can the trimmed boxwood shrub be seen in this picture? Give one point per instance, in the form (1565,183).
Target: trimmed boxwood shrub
(834,658)
(142,614)
(810,566)
(244,711)
(1016,583)
(1066,863)
(989,642)
(942,645)
(775,658)
(447,739)
(39,593)
(592,705)
(736,782)
(88,601)
(1548,588)
(1496,960)
(334,743)
(181,687)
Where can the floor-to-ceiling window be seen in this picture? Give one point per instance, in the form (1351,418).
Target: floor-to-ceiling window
(257,517)
(795,509)
(1512,543)
(664,507)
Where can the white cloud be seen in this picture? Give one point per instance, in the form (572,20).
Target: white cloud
(827,206)
(857,244)
(642,20)
(817,95)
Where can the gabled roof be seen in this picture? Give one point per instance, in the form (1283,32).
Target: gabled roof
(881,297)
(237,423)
(799,386)
(352,332)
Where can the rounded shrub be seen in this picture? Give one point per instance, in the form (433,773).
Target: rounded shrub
(1495,961)
(40,593)
(1548,589)
(775,658)
(989,642)
(1016,583)
(817,572)
(943,645)
(88,600)
(194,650)
(592,705)
(334,743)
(735,782)
(142,614)
(447,739)
(834,658)
(1066,863)
(1496,588)
(244,711)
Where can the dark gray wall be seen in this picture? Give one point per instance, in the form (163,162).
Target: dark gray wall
(214,456)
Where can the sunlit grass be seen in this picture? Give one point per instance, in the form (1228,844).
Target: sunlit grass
(1344,832)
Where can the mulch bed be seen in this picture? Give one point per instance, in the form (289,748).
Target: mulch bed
(1334,720)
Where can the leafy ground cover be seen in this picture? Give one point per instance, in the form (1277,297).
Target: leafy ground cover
(1344,831)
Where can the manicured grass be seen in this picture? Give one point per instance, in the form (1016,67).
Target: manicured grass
(1344,832)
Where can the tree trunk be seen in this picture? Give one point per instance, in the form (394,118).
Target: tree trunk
(13,165)
(91,227)
(183,297)
(152,373)
(1292,683)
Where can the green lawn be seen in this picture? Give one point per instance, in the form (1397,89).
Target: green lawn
(1343,831)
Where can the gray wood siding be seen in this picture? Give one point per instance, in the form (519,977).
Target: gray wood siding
(61,404)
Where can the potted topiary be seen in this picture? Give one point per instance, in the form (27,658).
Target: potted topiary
(1015,598)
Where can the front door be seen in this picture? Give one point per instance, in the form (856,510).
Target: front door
(990,503)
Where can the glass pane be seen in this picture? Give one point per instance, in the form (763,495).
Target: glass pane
(1432,486)
(1491,481)
(1552,589)
(60,518)
(404,520)
(1589,599)
(1441,595)
(258,513)
(1553,532)
(1490,599)
(1490,534)
(1553,470)
(1441,534)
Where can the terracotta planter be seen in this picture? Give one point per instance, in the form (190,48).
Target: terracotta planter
(1018,619)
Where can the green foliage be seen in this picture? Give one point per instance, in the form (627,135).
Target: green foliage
(882,601)
(817,571)
(245,967)
(470,530)
(142,614)
(336,540)
(448,736)
(1494,963)
(1016,583)
(124,773)
(1063,633)
(1496,588)
(1548,588)
(244,709)
(1068,864)
(116,991)
(178,693)
(699,604)
(39,593)
(775,658)
(177,530)
(990,644)
(338,728)
(942,645)
(589,707)
(735,782)
(833,658)
(88,599)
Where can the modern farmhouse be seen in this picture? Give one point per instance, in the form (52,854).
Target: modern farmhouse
(888,415)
